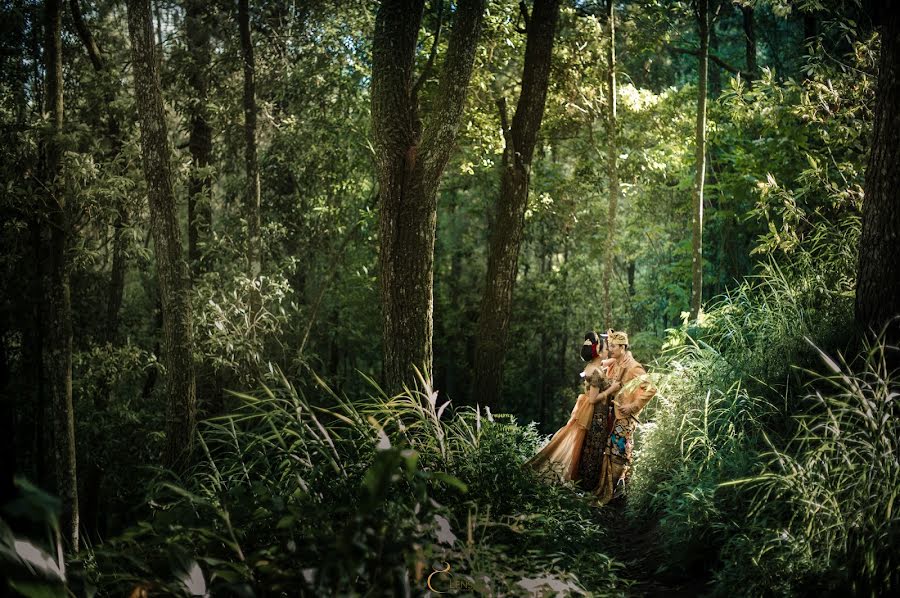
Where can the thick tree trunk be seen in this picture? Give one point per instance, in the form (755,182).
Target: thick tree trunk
(749,39)
(59,355)
(877,286)
(253,191)
(612,165)
(700,158)
(197,30)
(506,237)
(170,263)
(410,162)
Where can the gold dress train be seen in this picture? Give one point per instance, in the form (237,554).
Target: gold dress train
(561,458)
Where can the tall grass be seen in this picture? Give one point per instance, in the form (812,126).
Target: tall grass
(837,479)
(770,465)
(305,491)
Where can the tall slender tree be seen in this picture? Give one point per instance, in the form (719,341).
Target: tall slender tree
(250,156)
(506,236)
(612,165)
(702,12)
(197,32)
(878,282)
(114,136)
(410,159)
(59,358)
(171,267)
(748,21)
(92,472)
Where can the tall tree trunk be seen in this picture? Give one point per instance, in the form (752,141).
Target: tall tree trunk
(170,263)
(700,158)
(114,134)
(715,74)
(197,31)
(749,39)
(410,160)
(506,237)
(59,358)
(91,465)
(877,286)
(612,164)
(252,164)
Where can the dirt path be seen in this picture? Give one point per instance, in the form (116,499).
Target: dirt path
(644,558)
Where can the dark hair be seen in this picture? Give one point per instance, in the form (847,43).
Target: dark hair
(599,344)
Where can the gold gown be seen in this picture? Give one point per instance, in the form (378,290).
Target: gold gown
(561,458)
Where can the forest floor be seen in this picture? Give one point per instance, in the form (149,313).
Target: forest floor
(637,545)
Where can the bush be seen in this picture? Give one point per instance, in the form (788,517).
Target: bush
(365,496)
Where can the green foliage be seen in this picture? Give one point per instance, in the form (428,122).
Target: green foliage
(363,496)
(742,466)
(837,480)
(305,490)
(31,561)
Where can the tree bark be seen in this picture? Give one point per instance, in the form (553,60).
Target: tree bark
(114,130)
(715,73)
(197,31)
(506,237)
(410,161)
(700,158)
(749,39)
(252,164)
(94,474)
(612,166)
(59,358)
(170,263)
(877,286)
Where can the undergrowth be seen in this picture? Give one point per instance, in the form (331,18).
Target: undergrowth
(304,491)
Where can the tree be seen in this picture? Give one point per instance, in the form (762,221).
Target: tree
(410,159)
(507,233)
(250,158)
(702,13)
(749,38)
(171,268)
(612,165)
(59,357)
(93,473)
(197,32)
(877,287)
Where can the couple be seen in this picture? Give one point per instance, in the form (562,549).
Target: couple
(594,448)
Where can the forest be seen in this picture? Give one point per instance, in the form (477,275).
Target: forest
(292,292)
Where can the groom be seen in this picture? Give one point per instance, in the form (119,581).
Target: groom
(632,391)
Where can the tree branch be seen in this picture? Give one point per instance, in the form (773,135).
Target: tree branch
(85,35)
(523,10)
(725,65)
(441,127)
(426,70)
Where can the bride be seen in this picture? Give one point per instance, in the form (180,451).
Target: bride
(561,458)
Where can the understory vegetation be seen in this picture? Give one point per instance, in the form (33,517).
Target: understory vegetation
(766,465)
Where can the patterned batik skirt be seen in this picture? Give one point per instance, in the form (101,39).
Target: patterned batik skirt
(595,443)
(616,462)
